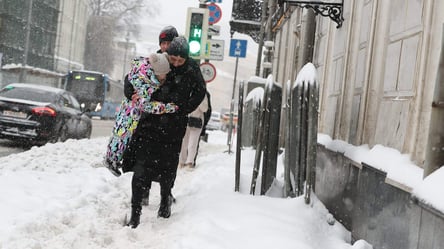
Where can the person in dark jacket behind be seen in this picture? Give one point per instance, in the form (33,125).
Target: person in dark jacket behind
(154,149)
(207,117)
(166,36)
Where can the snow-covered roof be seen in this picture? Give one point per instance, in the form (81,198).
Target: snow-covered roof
(14,66)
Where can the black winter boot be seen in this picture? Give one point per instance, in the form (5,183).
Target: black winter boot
(165,207)
(135,217)
(113,167)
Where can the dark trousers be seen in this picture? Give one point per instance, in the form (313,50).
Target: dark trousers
(154,161)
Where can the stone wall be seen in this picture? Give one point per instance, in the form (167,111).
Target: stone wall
(363,200)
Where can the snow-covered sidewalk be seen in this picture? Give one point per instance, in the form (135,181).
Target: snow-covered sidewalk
(54,197)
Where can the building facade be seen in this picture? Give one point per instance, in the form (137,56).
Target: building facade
(51,34)
(71,34)
(377,72)
(28,32)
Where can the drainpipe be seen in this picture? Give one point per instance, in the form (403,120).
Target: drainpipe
(435,144)
(269,34)
(308,39)
(261,36)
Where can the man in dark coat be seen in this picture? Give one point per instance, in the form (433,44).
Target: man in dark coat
(166,36)
(155,146)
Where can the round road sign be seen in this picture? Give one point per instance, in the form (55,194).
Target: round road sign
(208,71)
(215,13)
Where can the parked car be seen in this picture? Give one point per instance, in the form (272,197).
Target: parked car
(215,121)
(41,114)
(226,121)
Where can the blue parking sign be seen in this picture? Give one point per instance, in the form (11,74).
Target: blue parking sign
(238,48)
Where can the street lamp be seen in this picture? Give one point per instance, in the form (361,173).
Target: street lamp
(125,54)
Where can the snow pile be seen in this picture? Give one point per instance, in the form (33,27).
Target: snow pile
(55,196)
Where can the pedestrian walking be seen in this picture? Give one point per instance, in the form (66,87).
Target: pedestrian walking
(146,76)
(166,36)
(191,139)
(154,150)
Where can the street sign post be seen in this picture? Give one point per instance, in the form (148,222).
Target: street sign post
(208,71)
(215,13)
(214,30)
(215,50)
(238,48)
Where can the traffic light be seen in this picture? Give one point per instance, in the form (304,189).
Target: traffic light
(197,31)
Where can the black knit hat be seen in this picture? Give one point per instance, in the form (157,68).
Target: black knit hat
(167,34)
(179,47)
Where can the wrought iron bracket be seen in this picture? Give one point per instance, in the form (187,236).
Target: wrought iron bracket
(327,9)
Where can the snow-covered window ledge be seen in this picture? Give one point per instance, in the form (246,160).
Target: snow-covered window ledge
(402,173)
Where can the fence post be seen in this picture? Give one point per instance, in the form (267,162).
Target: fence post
(303,131)
(297,134)
(312,115)
(239,134)
(259,146)
(271,134)
(289,155)
(260,137)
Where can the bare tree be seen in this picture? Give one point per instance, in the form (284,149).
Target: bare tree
(110,19)
(124,12)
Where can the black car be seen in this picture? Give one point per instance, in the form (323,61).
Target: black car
(41,114)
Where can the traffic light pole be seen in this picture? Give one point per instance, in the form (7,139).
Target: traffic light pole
(202,5)
(230,130)
(196,31)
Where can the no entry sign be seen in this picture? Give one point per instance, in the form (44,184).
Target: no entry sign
(208,71)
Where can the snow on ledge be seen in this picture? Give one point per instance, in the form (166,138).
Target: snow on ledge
(31,69)
(401,171)
(306,74)
(429,191)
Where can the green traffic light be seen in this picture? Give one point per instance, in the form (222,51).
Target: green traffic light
(196,34)
(194,47)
